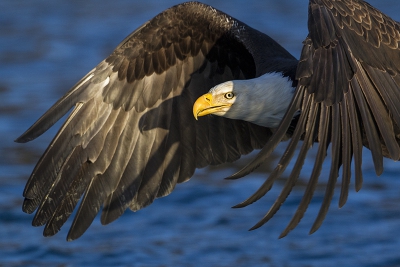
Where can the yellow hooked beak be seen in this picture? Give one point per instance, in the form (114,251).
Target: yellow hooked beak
(205,105)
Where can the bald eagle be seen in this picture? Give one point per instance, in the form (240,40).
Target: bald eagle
(138,124)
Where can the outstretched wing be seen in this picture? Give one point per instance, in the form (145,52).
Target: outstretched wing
(348,95)
(131,135)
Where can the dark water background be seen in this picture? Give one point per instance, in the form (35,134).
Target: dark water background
(46,46)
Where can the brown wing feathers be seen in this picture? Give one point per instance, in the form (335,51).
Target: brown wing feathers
(349,65)
(131,136)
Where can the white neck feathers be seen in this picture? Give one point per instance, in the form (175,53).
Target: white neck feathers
(263,100)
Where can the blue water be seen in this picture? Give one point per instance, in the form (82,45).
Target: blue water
(46,46)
